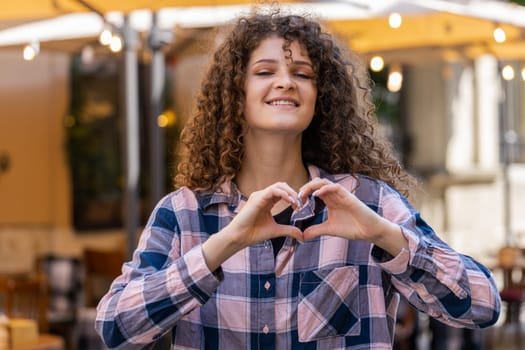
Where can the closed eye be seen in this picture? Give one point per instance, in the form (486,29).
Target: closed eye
(303,76)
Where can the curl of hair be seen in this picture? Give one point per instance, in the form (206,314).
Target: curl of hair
(342,136)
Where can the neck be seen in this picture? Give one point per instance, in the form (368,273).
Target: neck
(271,161)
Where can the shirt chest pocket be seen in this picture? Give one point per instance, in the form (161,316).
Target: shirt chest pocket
(328,303)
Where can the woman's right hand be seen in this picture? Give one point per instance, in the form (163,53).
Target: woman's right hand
(253,224)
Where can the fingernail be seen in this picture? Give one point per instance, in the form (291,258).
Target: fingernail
(315,193)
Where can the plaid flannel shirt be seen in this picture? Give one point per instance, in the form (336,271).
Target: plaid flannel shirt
(326,293)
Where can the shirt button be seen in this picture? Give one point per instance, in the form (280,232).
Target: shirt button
(265,329)
(267,285)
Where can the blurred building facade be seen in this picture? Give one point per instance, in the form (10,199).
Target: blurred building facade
(457,113)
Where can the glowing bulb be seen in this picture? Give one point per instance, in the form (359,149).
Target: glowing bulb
(165,119)
(377,63)
(31,51)
(395,79)
(499,35)
(162,121)
(105,37)
(395,20)
(507,72)
(523,73)
(116,43)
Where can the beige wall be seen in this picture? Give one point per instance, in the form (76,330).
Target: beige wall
(35,201)
(33,100)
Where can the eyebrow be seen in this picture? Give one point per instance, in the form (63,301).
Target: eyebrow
(294,62)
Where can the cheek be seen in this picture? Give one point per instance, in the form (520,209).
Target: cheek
(248,108)
(313,97)
(250,93)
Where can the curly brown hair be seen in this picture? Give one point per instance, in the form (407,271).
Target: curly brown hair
(341,137)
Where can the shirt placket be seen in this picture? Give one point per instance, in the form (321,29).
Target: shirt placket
(265,297)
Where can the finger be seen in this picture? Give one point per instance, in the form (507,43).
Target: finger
(292,195)
(275,194)
(291,192)
(311,187)
(330,192)
(315,231)
(284,186)
(291,231)
(314,184)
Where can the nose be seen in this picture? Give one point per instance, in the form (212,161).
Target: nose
(284,80)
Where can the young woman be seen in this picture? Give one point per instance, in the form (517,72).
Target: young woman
(289,227)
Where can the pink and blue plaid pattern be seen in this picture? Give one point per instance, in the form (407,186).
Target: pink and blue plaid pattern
(327,293)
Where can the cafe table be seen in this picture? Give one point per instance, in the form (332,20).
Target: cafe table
(45,342)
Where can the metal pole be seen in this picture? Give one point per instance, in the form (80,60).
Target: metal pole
(156,134)
(131,138)
(505,157)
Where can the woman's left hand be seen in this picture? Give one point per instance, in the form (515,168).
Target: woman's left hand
(350,218)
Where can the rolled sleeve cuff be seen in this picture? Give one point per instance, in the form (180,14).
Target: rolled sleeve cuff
(398,264)
(196,276)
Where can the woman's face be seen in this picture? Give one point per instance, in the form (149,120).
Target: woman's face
(280,93)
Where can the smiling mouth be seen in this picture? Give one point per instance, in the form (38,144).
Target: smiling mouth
(283,103)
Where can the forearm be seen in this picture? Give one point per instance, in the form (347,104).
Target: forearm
(459,297)
(139,307)
(219,247)
(443,283)
(390,238)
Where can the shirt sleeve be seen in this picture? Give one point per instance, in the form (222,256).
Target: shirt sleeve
(157,288)
(436,279)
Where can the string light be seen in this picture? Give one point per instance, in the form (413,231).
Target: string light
(166,119)
(109,38)
(499,35)
(395,79)
(523,73)
(377,63)
(115,44)
(105,37)
(507,72)
(31,50)
(395,20)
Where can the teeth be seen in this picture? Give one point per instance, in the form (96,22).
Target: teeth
(282,102)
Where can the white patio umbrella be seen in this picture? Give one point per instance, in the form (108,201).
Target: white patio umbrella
(439,24)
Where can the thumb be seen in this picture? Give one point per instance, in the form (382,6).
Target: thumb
(292,231)
(314,231)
